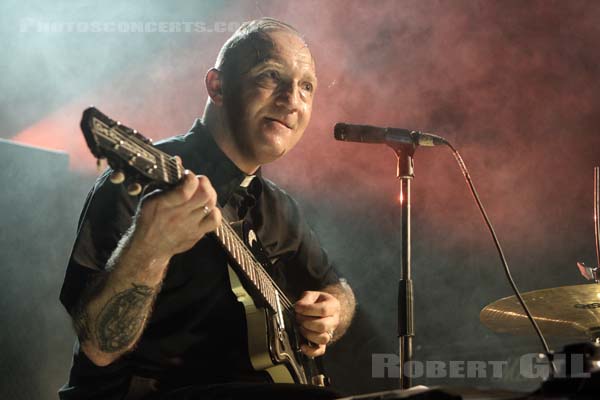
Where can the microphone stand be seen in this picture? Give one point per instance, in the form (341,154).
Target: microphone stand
(406,333)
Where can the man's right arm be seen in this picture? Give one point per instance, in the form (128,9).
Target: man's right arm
(111,314)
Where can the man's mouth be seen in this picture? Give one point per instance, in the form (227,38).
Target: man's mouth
(280,121)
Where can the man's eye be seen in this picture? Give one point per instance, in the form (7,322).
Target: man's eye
(307,86)
(273,75)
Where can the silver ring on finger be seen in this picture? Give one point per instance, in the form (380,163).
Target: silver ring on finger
(206,210)
(330,333)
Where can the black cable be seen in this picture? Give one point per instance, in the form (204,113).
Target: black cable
(465,172)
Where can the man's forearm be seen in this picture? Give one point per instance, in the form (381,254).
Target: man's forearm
(345,296)
(113,310)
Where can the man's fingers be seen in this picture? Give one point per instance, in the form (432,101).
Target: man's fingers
(205,195)
(177,218)
(315,337)
(314,310)
(203,211)
(308,297)
(318,315)
(311,351)
(183,192)
(210,220)
(325,306)
(318,324)
(194,192)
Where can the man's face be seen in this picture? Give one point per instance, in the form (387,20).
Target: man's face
(270,106)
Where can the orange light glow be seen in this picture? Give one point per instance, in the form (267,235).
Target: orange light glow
(60,131)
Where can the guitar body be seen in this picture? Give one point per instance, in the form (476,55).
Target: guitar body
(273,346)
(268,350)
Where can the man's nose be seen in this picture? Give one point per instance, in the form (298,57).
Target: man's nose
(289,96)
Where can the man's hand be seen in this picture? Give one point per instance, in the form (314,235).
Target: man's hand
(171,222)
(318,316)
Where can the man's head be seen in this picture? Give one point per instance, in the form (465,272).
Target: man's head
(261,92)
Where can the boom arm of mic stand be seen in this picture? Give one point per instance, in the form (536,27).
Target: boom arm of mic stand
(406,333)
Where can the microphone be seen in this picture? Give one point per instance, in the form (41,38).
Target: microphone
(374,134)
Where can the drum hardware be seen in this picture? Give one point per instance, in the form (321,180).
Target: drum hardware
(568,311)
(589,273)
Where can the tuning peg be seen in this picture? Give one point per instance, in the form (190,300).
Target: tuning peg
(132,159)
(133,189)
(117,177)
(117,145)
(100,164)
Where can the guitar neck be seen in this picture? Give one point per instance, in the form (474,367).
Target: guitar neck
(249,266)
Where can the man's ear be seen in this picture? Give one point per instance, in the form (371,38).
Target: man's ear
(214,86)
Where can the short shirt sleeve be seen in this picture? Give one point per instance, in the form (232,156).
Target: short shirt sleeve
(299,261)
(106,216)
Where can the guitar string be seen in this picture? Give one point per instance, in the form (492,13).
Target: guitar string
(257,266)
(172,162)
(149,147)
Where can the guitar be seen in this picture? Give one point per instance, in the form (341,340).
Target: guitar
(273,341)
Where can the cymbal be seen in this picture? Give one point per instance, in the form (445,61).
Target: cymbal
(568,311)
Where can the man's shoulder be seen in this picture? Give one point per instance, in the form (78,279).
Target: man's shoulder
(174,144)
(272,189)
(276,196)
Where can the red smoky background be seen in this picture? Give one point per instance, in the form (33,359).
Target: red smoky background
(514,85)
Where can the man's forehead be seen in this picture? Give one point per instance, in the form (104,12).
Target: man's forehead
(277,47)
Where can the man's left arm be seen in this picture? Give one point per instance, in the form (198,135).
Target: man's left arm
(324,316)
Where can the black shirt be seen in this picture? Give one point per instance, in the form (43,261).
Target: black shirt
(196,333)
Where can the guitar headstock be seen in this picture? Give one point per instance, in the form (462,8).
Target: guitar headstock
(128,151)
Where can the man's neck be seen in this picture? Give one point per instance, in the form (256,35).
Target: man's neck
(224,139)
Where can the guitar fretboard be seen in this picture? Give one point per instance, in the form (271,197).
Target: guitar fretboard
(249,266)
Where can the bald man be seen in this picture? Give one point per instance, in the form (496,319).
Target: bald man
(150,293)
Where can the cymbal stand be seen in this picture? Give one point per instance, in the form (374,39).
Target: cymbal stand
(597,219)
(592,273)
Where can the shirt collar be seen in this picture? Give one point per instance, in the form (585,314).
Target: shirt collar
(209,160)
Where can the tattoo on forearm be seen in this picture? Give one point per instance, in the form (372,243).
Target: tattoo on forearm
(122,318)
(82,322)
